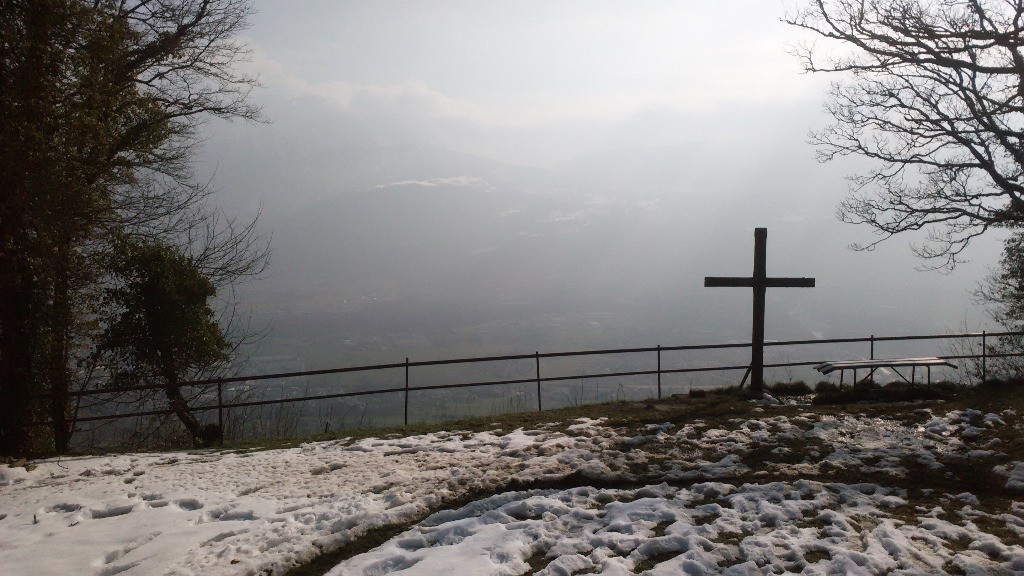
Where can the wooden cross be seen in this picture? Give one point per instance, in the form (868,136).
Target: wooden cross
(759,282)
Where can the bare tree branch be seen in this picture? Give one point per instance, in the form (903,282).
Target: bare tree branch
(933,92)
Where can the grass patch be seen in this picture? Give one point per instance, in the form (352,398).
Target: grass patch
(998,528)
(813,522)
(372,539)
(953,569)
(815,556)
(728,538)
(958,545)
(539,561)
(649,563)
(703,519)
(661,527)
(796,453)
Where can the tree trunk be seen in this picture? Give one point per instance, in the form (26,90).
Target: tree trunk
(26,177)
(16,374)
(58,362)
(180,407)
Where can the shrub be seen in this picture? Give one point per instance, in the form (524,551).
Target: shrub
(1002,383)
(209,435)
(892,392)
(868,383)
(825,387)
(846,396)
(912,393)
(798,388)
(949,385)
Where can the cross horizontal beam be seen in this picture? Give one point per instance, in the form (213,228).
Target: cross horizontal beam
(749,282)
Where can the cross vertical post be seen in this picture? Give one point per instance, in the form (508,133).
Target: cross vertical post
(757,333)
(760,282)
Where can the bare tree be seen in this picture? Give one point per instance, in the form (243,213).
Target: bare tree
(933,92)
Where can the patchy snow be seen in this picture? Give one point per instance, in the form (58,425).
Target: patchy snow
(235,513)
(228,513)
(705,529)
(1014,472)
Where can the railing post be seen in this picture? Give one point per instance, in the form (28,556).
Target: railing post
(872,346)
(536,357)
(220,410)
(984,357)
(407,391)
(659,371)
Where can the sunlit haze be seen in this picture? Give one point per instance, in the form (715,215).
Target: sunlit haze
(442,178)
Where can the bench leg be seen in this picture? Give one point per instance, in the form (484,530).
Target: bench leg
(900,374)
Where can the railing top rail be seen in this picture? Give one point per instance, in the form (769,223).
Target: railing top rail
(470,360)
(252,403)
(890,338)
(478,359)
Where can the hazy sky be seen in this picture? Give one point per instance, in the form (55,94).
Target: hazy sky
(549,84)
(533,82)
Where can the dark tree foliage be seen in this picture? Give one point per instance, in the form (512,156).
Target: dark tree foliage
(57,113)
(1004,288)
(164,327)
(100,101)
(932,91)
(1003,294)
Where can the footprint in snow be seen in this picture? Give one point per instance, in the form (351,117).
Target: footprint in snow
(114,569)
(228,513)
(64,507)
(188,504)
(250,490)
(107,563)
(110,512)
(392,564)
(115,555)
(223,536)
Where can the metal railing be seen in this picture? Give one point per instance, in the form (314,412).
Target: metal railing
(537,378)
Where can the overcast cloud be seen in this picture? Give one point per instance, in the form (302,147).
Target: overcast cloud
(511,76)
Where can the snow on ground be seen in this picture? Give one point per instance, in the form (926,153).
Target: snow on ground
(729,498)
(230,513)
(708,528)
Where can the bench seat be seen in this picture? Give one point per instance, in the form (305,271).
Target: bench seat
(871,365)
(827,367)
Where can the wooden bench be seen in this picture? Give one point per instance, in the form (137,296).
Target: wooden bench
(894,363)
